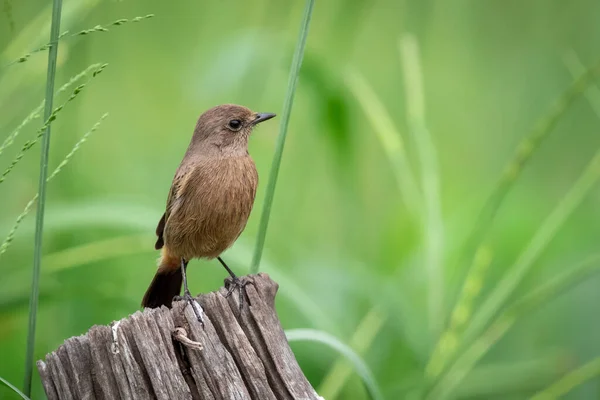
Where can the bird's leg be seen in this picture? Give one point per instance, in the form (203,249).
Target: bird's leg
(187,296)
(233,282)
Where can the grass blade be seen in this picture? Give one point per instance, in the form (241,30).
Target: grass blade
(359,364)
(534,299)
(48,121)
(35,284)
(538,244)
(570,381)
(11,233)
(390,139)
(283,127)
(13,388)
(433,227)
(525,150)
(592,93)
(469,297)
(362,339)
(97,28)
(36,112)
(394,147)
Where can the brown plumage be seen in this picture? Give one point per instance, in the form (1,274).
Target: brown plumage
(210,199)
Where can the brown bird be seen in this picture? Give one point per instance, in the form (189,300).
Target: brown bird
(210,200)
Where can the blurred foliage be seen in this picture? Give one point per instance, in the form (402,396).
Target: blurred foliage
(349,246)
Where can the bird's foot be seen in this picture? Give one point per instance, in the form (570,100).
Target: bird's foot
(231,283)
(198,311)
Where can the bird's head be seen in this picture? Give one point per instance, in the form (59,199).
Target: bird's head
(225,129)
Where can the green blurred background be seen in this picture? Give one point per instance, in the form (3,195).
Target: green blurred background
(350,257)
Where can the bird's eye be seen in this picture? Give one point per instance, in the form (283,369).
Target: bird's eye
(235,124)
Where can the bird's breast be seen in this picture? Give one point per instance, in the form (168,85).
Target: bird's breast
(212,207)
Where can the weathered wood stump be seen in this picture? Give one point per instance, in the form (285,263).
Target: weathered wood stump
(167,354)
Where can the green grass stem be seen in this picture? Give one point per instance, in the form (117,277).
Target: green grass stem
(283,128)
(37,111)
(40,134)
(525,150)
(389,137)
(362,339)
(537,297)
(433,225)
(360,366)
(394,147)
(11,234)
(97,28)
(570,381)
(576,68)
(469,297)
(13,388)
(536,246)
(37,257)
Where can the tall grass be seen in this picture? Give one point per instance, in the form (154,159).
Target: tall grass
(11,234)
(411,194)
(37,257)
(520,308)
(13,388)
(48,121)
(9,140)
(444,352)
(390,138)
(432,225)
(513,277)
(475,340)
(283,128)
(360,342)
(360,366)
(83,32)
(571,380)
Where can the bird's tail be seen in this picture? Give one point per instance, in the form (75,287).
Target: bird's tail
(166,283)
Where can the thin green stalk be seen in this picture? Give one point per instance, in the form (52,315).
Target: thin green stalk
(283,127)
(538,244)
(461,314)
(389,137)
(528,146)
(358,363)
(36,112)
(571,380)
(537,297)
(473,342)
(35,284)
(394,147)
(13,135)
(40,133)
(361,340)
(97,28)
(592,93)
(11,234)
(13,388)
(433,226)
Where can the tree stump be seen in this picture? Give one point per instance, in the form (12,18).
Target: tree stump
(166,354)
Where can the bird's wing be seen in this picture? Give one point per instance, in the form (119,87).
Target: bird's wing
(181,178)
(160,242)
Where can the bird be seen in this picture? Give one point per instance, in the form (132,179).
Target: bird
(208,204)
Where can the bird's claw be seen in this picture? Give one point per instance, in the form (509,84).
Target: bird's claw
(232,283)
(198,311)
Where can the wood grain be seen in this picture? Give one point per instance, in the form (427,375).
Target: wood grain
(167,354)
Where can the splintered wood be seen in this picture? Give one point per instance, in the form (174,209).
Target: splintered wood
(167,354)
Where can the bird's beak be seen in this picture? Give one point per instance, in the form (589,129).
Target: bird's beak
(260,117)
